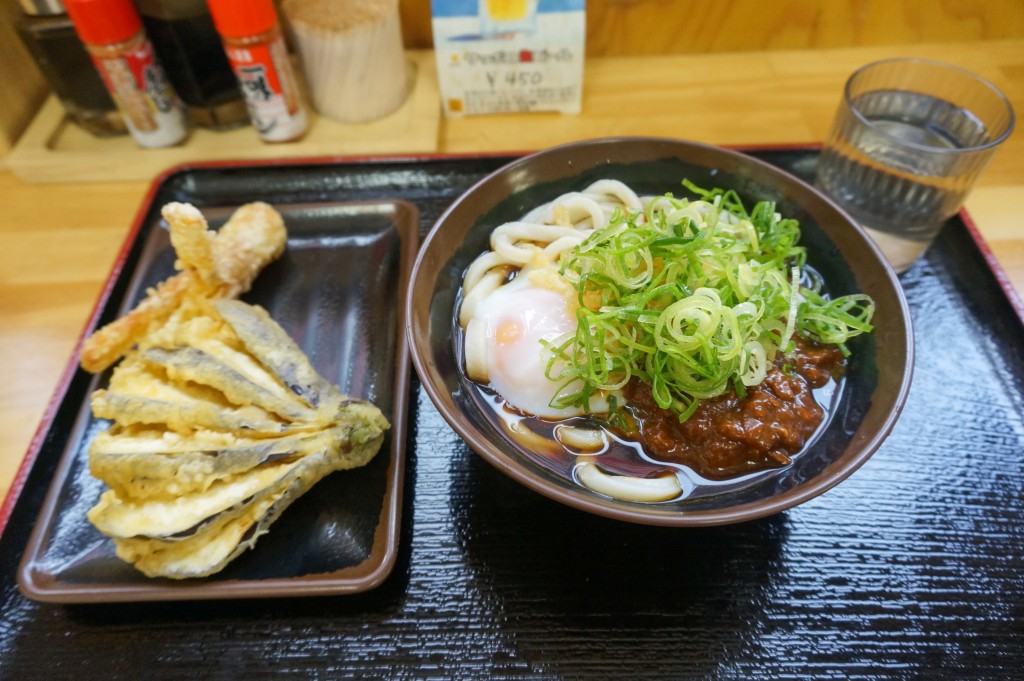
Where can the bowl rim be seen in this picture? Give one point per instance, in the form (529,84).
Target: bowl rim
(590,502)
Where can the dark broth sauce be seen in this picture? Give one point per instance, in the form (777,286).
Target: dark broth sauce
(729,443)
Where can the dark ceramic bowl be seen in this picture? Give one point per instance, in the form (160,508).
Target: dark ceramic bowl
(877,378)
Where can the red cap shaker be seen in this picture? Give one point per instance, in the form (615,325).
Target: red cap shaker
(113,35)
(255,47)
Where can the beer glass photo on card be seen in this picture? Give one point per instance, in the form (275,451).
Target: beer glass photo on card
(909,140)
(501,17)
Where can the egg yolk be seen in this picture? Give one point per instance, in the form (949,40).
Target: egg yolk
(508,331)
(519,317)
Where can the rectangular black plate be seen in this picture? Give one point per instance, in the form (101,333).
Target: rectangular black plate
(911,568)
(336,292)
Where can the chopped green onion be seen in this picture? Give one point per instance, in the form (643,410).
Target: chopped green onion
(693,298)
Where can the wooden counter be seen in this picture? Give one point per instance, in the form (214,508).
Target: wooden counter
(59,240)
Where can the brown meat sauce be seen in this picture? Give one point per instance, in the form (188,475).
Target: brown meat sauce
(730,435)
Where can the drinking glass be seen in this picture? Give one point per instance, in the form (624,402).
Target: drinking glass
(910,138)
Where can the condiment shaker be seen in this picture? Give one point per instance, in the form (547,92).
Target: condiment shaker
(113,35)
(257,52)
(50,38)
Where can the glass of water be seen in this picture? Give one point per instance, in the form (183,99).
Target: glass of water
(909,140)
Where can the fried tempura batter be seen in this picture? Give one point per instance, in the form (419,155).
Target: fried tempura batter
(220,422)
(192,240)
(213,265)
(248,242)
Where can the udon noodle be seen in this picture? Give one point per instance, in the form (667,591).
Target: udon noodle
(604,298)
(553,228)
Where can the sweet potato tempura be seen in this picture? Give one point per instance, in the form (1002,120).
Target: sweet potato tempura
(219,264)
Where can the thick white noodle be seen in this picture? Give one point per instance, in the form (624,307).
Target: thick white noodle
(555,248)
(618,190)
(628,488)
(483,288)
(543,232)
(476,351)
(584,212)
(505,240)
(481,266)
(581,439)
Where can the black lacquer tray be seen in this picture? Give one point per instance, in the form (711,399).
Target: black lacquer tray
(912,568)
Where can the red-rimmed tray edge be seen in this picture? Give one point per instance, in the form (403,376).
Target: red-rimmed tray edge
(18,483)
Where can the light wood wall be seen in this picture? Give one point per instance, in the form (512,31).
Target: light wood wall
(644,27)
(641,27)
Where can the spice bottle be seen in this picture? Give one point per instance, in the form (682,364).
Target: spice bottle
(50,38)
(190,51)
(257,52)
(113,35)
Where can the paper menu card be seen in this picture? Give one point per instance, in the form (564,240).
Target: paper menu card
(503,56)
